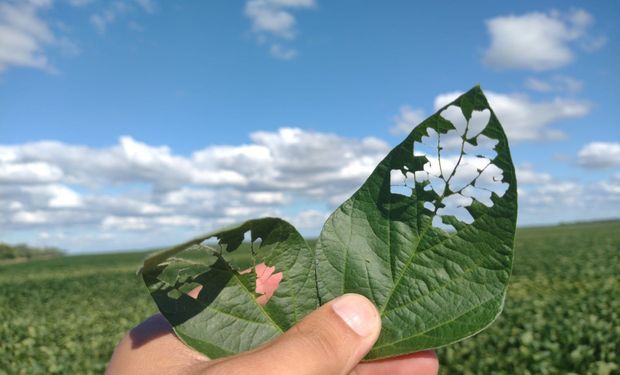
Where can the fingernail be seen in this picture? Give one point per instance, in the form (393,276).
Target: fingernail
(357,312)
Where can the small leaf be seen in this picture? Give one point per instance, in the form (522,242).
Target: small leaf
(235,310)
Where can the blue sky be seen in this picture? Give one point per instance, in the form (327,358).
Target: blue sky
(120,119)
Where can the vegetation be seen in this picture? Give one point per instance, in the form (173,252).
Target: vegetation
(562,313)
(21,252)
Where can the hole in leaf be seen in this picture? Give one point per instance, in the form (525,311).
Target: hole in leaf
(455,116)
(483,147)
(459,166)
(401,183)
(195,292)
(455,206)
(438,223)
(429,206)
(267,282)
(477,122)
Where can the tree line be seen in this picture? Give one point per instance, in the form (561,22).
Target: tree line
(23,251)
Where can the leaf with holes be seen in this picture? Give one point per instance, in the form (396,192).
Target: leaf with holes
(429,236)
(235,310)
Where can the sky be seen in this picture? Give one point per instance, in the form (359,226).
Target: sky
(132,124)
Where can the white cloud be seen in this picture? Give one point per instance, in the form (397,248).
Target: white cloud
(560,84)
(539,41)
(25,217)
(406,120)
(148,6)
(273,19)
(61,196)
(546,200)
(525,120)
(24,35)
(612,186)
(267,197)
(600,155)
(526,175)
(29,172)
(280,52)
(113,11)
(105,17)
(133,186)
(309,220)
(111,198)
(140,223)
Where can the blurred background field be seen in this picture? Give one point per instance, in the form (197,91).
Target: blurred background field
(562,315)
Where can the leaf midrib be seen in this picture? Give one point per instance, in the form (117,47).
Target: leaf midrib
(404,269)
(254,300)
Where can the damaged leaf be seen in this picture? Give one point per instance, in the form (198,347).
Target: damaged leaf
(428,238)
(235,310)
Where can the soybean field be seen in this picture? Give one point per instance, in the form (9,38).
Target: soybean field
(562,315)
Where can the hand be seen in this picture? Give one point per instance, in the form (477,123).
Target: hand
(331,340)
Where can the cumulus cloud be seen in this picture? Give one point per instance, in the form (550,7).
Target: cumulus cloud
(559,84)
(24,35)
(526,175)
(539,41)
(26,38)
(600,155)
(406,119)
(135,187)
(87,198)
(283,53)
(544,199)
(527,120)
(274,20)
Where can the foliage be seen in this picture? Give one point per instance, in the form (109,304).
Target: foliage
(562,313)
(432,286)
(65,315)
(26,252)
(229,303)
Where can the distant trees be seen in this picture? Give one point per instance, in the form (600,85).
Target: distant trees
(23,251)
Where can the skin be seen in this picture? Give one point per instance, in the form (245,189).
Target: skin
(322,343)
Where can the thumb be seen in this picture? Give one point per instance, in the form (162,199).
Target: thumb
(331,340)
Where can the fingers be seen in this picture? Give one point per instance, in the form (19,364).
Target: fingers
(330,341)
(152,348)
(420,363)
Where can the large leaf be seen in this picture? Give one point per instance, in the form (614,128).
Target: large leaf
(226,317)
(428,238)
(435,260)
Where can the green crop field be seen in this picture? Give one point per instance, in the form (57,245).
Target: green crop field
(562,314)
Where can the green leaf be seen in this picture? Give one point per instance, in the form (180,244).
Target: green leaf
(428,238)
(226,317)
(436,277)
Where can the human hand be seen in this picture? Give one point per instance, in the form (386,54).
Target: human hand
(331,340)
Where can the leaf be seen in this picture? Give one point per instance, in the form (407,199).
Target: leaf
(436,278)
(235,310)
(428,238)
